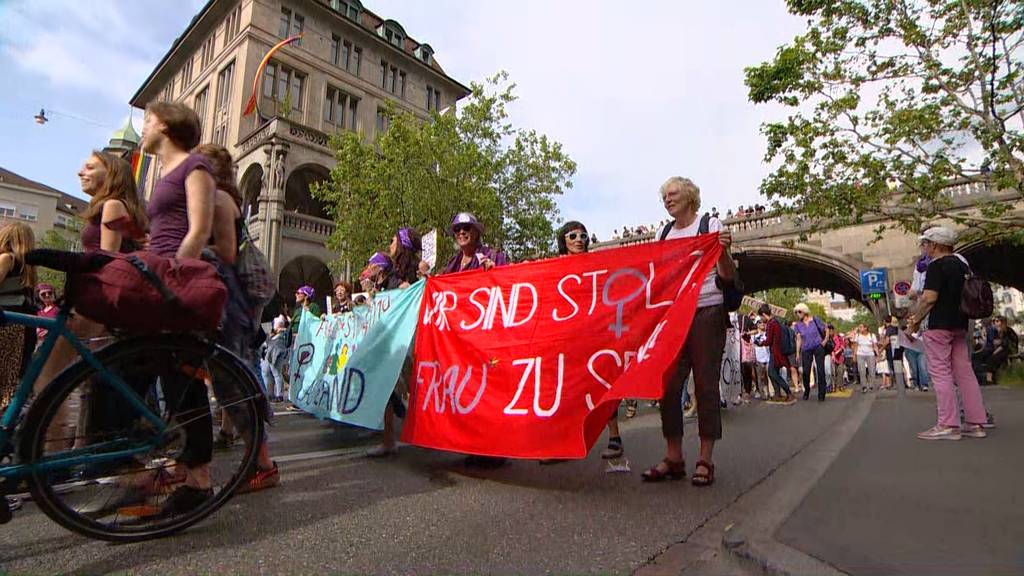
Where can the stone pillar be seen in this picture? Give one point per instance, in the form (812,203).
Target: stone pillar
(272,196)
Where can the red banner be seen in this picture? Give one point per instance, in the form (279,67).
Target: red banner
(530,360)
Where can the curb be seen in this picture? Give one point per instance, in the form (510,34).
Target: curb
(751,538)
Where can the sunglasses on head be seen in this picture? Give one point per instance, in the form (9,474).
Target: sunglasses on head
(577,236)
(462,228)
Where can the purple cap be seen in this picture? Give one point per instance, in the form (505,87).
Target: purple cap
(467,218)
(307,291)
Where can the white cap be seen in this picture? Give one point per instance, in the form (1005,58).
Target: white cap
(940,235)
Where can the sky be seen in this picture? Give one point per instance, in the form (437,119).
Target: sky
(635,91)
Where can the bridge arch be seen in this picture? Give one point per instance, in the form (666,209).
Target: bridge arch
(998,262)
(767,266)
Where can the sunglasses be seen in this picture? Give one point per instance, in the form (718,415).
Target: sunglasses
(577,236)
(46,294)
(462,228)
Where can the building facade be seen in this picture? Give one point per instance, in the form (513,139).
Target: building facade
(41,207)
(346,69)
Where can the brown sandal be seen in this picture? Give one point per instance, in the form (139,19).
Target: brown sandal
(675,471)
(702,478)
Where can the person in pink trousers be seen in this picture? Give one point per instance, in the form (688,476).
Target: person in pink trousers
(945,340)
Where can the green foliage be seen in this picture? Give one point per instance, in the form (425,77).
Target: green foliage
(52,239)
(421,174)
(1012,375)
(904,94)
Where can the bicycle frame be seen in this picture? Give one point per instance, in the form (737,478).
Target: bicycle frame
(56,328)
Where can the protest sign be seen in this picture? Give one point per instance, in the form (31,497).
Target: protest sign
(530,360)
(429,253)
(345,366)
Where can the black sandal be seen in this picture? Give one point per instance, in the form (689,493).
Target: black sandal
(703,478)
(674,471)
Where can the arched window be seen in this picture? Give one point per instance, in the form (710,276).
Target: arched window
(348,8)
(392,32)
(425,53)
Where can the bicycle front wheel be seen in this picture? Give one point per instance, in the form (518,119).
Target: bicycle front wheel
(106,471)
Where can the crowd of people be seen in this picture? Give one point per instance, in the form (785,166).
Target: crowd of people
(194,213)
(642,230)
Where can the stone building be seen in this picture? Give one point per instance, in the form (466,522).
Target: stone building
(348,64)
(40,206)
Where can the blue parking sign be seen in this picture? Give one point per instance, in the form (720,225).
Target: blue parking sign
(874,281)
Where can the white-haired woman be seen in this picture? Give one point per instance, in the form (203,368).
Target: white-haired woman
(810,344)
(704,345)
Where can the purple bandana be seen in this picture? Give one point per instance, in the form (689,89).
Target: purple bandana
(404,239)
(922,263)
(381,260)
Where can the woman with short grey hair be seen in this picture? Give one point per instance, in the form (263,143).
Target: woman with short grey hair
(702,351)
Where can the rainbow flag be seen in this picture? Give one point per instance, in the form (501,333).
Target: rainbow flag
(140,166)
(253,104)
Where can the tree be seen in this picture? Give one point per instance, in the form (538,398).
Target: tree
(52,239)
(893,100)
(421,174)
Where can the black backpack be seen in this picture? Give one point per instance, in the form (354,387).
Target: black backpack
(733,291)
(788,344)
(976,299)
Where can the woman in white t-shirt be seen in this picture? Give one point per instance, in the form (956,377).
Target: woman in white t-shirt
(864,344)
(704,345)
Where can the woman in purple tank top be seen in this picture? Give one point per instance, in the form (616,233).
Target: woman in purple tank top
(180,212)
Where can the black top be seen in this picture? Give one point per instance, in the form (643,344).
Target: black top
(946,276)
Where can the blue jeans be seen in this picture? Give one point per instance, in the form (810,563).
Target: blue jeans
(918,367)
(778,380)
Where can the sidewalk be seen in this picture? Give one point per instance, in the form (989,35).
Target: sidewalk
(893,504)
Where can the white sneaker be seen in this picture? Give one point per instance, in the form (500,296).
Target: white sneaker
(972,431)
(940,433)
(381,451)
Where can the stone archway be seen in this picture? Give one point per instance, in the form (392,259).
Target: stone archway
(305,270)
(767,266)
(298,197)
(250,187)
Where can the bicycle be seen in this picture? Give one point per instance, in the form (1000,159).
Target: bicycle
(137,409)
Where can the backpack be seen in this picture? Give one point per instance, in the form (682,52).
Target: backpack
(143,293)
(788,343)
(254,272)
(732,292)
(976,299)
(829,344)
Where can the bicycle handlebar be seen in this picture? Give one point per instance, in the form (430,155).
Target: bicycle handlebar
(64,261)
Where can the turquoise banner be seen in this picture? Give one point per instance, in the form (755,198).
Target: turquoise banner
(345,366)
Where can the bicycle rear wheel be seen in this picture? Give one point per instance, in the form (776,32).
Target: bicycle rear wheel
(118,478)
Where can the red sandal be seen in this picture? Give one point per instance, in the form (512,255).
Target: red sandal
(675,471)
(701,478)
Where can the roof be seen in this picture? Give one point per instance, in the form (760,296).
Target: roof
(71,204)
(368,20)
(8,177)
(126,133)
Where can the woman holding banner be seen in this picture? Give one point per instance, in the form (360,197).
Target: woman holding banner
(573,238)
(473,255)
(705,343)
(404,256)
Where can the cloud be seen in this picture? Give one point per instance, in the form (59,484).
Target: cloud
(104,48)
(636,92)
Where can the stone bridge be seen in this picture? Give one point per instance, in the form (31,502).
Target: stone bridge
(771,254)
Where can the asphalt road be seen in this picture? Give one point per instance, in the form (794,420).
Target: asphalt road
(422,512)
(893,504)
